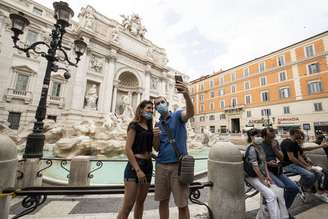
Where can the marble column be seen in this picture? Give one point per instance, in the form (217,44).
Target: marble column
(79,82)
(146,93)
(114,99)
(108,82)
(138,97)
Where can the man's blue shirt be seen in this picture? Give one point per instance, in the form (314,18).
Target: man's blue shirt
(166,152)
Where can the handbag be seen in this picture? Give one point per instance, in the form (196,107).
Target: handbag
(186,162)
(276,170)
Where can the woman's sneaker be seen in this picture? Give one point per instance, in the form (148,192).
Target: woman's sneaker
(322,196)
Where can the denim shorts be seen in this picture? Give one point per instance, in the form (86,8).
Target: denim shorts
(145,165)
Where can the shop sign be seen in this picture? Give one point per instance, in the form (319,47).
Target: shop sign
(306,126)
(288,120)
(321,124)
(256,121)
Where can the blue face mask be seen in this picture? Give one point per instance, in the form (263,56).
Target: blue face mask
(147,115)
(162,108)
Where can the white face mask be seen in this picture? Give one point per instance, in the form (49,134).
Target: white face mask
(258,140)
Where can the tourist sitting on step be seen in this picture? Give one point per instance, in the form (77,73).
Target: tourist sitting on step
(139,169)
(274,156)
(296,162)
(257,175)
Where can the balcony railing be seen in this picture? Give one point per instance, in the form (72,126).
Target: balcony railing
(19,94)
(234,109)
(56,101)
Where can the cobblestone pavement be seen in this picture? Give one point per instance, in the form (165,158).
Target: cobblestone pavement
(106,206)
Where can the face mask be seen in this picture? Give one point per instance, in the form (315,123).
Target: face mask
(147,115)
(258,140)
(162,108)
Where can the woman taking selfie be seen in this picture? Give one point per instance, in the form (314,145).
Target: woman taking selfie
(138,171)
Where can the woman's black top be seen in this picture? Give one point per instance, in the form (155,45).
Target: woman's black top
(143,140)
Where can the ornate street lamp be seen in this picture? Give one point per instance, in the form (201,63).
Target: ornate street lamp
(63,14)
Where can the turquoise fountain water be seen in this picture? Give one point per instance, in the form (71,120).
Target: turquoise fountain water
(112,171)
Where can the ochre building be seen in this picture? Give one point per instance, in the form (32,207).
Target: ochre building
(283,89)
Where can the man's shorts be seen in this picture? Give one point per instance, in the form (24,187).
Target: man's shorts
(146,166)
(166,181)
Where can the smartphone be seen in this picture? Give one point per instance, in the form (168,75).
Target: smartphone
(178,78)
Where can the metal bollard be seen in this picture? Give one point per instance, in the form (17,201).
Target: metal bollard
(8,167)
(225,170)
(79,170)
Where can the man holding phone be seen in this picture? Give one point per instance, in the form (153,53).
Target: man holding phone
(166,178)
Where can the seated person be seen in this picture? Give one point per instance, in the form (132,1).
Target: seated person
(257,173)
(273,156)
(322,142)
(295,163)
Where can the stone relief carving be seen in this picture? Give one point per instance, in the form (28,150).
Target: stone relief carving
(115,34)
(154,83)
(96,64)
(91,97)
(133,24)
(89,18)
(128,113)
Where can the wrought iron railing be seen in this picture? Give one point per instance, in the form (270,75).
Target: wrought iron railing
(36,196)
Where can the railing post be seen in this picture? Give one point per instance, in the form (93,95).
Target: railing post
(29,169)
(8,167)
(79,171)
(225,170)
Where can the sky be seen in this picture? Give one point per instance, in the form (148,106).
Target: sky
(204,36)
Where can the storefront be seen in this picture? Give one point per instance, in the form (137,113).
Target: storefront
(321,127)
(284,124)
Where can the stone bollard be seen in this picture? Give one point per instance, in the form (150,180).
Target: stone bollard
(79,170)
(8,167)
(29,168)
(225,170)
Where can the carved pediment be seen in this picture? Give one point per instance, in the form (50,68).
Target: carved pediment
(24,69)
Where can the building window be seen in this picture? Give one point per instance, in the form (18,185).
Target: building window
(248,99)
(222,116)
(284,92)
(314,87)
(281,60)
(221,92)
(282,76)
(221,81)
(212,93)
(212,106)
(286,110)
(263,80)
(222,104)
(261,67)
(201,86)
(51,117)
(309,51)
(233,88)
(202,108)
(21,82)
(37,11)
(313,68)
(317,107)
(31,37)
(266,112)
(249,113)
(211,83)
(233,101)
(212,128)
(14,119)
(233,76)
(246,72)
(192,90)
(202,118)
(56,87)
(247,85)
(265,96)
(211,117)
(201,98)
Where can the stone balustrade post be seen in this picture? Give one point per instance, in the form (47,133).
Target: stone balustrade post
(225,170)
(8,168)
(79,170)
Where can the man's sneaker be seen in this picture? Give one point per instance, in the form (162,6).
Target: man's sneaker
(321,196)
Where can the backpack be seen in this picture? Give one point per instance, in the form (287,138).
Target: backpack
(323,180)
(248,167)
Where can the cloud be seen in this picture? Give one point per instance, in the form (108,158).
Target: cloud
(201,36)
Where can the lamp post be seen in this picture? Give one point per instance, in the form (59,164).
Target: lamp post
(63,13)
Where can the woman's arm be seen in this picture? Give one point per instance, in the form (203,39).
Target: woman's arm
(128,149)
